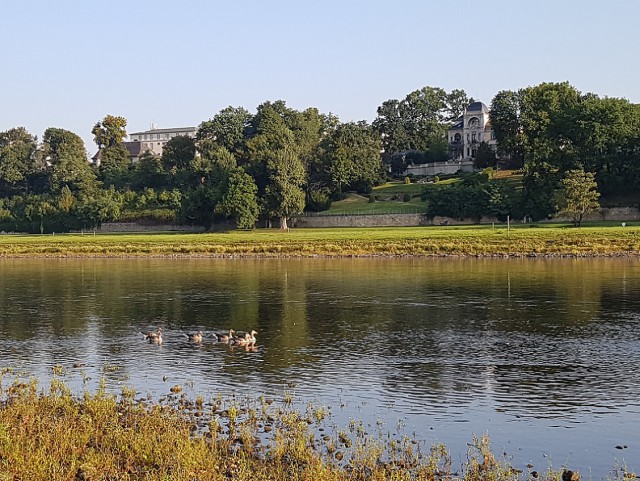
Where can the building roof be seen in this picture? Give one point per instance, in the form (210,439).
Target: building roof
(135,148)
(477,107)
(165,131)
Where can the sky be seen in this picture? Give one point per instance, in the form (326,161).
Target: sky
(174,63)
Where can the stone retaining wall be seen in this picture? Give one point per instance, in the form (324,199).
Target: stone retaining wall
(621,214)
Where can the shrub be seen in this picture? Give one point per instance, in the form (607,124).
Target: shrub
(372,198)
(406,197)
(407,180)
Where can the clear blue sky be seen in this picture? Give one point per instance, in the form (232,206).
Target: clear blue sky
(69,63)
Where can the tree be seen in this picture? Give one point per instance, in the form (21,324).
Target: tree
(284,194)
(66,161)
(506,123)
(227,129)
(17,148)
(457,101)
(353,156)
(114,165)
(178,153)
(149,172)
(579,195)
(485,157)
(110,131)
(104,205)
(240,199)
(37,208)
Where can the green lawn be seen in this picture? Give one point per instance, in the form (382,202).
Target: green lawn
(358,204)
(391,188)
(521,240)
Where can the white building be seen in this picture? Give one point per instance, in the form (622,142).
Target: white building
(469,131)
(154,140)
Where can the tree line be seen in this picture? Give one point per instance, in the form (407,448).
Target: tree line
(279,161)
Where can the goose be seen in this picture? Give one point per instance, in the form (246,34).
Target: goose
(197,337)
(226,338)
(154,337)
(243,341)
(246,338)
(150,335)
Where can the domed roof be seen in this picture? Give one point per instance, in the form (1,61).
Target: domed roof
(477,107)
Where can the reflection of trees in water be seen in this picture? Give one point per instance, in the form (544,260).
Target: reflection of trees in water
(534,333)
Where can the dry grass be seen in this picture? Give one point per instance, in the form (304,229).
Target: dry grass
(55,436)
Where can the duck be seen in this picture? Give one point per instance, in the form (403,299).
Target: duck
(149,335)
(197,337)
(154,337)
(226,338)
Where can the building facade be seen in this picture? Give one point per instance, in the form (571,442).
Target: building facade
(469,131)
(154,140)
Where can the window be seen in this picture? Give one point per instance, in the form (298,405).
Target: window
(145,136)
(157,136)
(474,137)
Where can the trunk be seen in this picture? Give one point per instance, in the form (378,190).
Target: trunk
(283,223)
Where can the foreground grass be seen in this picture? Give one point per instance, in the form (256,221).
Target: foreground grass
(55,436)
(546,240)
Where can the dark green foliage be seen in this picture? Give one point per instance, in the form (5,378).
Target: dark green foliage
(198,206)
(178,153)
(406,197)
(485,157)
(239,199)
(318,200)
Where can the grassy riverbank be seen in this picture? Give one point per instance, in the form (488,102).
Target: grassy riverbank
(528,240)
(55,436)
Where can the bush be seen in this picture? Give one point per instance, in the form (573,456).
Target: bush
(372,198)
(406,197)
(407,180)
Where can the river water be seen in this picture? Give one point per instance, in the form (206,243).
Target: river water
(543,355)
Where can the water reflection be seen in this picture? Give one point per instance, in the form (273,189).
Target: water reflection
(512,346)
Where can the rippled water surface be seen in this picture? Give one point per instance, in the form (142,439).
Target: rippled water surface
(544,355)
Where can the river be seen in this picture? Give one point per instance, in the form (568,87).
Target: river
(541,354)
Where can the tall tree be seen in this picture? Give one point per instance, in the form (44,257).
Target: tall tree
(109,131)
(456,103)
(419,121)
(284,195)
(239,199)
(579,195)
(506,123)
(228,129)
(66,160)
(17,149)
(353,156)
(179,152)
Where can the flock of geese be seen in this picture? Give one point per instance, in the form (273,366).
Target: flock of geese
(237,338)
